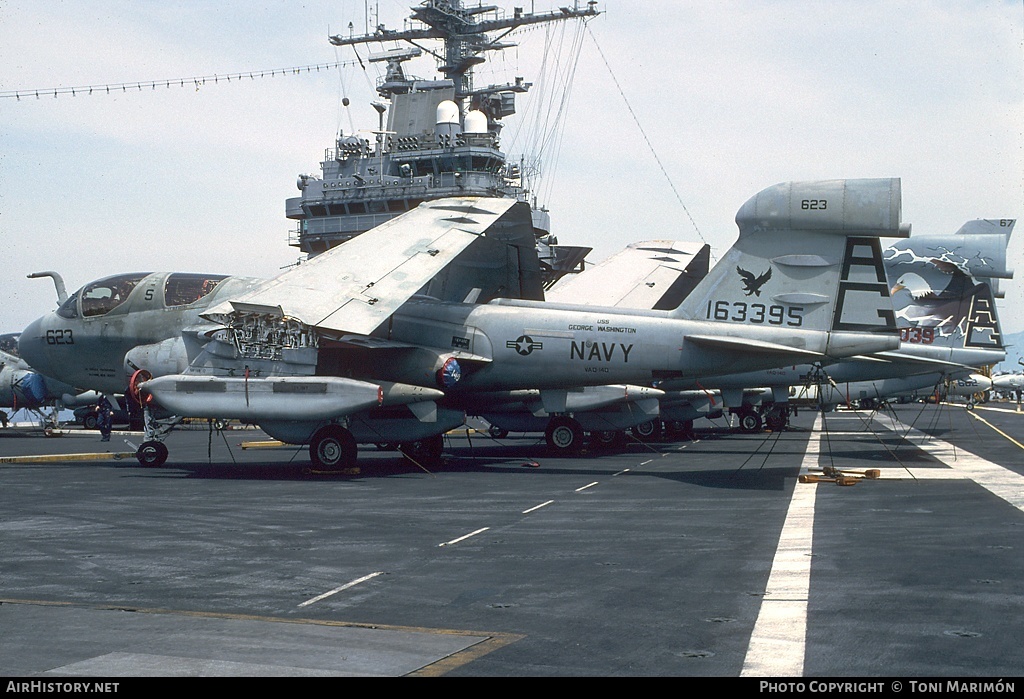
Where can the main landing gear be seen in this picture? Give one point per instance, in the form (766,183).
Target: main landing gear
(333,447)
(750,420)
(564,435)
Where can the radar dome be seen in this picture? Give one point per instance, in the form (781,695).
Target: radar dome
(476,122)
(447,112)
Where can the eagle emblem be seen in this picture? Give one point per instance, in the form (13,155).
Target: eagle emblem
(751,284)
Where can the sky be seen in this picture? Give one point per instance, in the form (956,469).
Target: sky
(679,112)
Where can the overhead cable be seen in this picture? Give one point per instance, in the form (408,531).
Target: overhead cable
(197,81)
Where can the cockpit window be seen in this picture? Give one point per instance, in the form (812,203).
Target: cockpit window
(103,296)
(69,309)
(182,289)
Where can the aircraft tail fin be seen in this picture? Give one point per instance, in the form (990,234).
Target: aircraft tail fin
(944,287)
(978,248)
(808,257)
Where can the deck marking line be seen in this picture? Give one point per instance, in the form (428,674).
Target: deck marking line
(343,587)
(537,507)
(588,485)
(1000,481)
(778,642)
(464,537)
(981,419)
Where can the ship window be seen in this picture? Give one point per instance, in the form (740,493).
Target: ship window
(357,207)
(183,289)
(103,296)
(69,309)
(318,211)
(337,210)
(396,205)
(375,207)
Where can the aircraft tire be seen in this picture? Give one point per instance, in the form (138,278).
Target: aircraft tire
(564,435)
(89,422)
(608,439)
(750,421)
(682,429)
(152,454)
(333,447)
(647,431)
(497,432)
(425,451)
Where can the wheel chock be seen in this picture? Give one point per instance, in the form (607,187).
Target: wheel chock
(838,480)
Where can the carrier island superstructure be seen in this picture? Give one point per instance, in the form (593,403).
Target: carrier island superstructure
(434,138)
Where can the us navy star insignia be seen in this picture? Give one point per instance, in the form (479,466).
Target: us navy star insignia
(524,345)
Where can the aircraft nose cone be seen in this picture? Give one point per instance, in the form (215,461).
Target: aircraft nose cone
(32,346)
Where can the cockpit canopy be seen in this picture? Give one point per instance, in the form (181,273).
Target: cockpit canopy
(182,288)
(101,296)
(104,295)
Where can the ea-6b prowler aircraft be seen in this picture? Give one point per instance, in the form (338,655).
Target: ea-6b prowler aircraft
(338,351)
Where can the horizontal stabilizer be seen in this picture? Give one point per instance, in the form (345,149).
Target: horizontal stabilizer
(906,358)
(750,346)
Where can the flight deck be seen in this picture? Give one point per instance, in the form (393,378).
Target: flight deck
(730,555)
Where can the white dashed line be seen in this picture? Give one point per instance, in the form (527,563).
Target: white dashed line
(537,507)
(339,589)
(463,538)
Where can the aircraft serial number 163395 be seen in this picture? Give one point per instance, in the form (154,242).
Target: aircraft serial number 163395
(743,312)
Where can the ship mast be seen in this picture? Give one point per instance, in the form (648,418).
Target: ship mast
(465,37)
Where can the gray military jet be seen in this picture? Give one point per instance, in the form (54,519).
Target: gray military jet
(364,333)
(338,351)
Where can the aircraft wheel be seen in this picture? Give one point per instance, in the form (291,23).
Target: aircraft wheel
(152,454)
(776,422)
(427,450)
(89,422)
(608,439)
(332,447)
(750,421)
(564,435)
(646,431)
(497,432)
